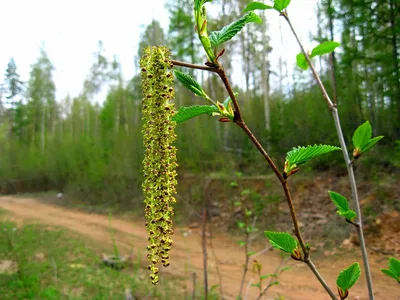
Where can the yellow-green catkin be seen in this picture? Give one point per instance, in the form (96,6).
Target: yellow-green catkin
(159,164)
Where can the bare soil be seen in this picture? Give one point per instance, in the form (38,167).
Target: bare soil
(186,255)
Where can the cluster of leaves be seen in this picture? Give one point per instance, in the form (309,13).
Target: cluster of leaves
(342,205)
(321,49)
(224,110)
(362,139)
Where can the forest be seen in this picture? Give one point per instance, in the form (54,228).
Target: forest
(92,149)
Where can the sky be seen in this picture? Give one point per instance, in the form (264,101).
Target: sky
(70,31)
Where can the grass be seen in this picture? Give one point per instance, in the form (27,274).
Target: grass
(38,262)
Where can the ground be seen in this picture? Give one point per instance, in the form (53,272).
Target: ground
(186,255)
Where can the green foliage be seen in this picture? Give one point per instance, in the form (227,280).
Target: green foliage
(301,155)
(321,49)
(324,48)
(282,241)
(229,31)
(280,5)
(342,205)
(348,277)
(256,5)
(190,83)
(362,140)
(301,61)
(187,112)
(394,269)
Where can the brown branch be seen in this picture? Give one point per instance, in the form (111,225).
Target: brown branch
(193,66)
(238,119)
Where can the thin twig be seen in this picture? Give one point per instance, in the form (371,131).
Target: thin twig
(238,119)
(194,275)
(246,264)
(193,66)
(349,163)
(204,247)
(221,291)
(271,280)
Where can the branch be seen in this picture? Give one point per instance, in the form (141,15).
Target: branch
(347,160)
(192,66)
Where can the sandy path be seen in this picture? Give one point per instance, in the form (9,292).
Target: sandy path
(298,283)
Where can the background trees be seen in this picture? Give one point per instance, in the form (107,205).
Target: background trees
(92,147)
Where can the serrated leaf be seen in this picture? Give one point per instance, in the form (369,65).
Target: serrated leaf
(301,61)
(229,31)
(190,83)
(339,200)
(324,48)
(256,5)
(282,241)
(349,215)
(187,112)
(394,265)
(390,273)
(371,143)
(362,135)
(301,155)
(280,5)
(348,277)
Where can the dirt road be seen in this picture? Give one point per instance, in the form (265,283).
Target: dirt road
(186,255)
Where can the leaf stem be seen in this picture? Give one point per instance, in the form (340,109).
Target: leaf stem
(193,66)
(349,163)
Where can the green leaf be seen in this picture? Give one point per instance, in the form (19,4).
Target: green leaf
(280,5)
(394,265)
(301,61)
(340,201)
(256,284)
(282,241)
(265,276)
(199,3)
(241,224)
(242,243)
(348,277)
(256,5)
(190,83)
(324,48)
(348,215)
(301,155)
(394,269)
(390,273)
(229,31)
(188,112)
(250,253)
(362,135)
(371,143)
